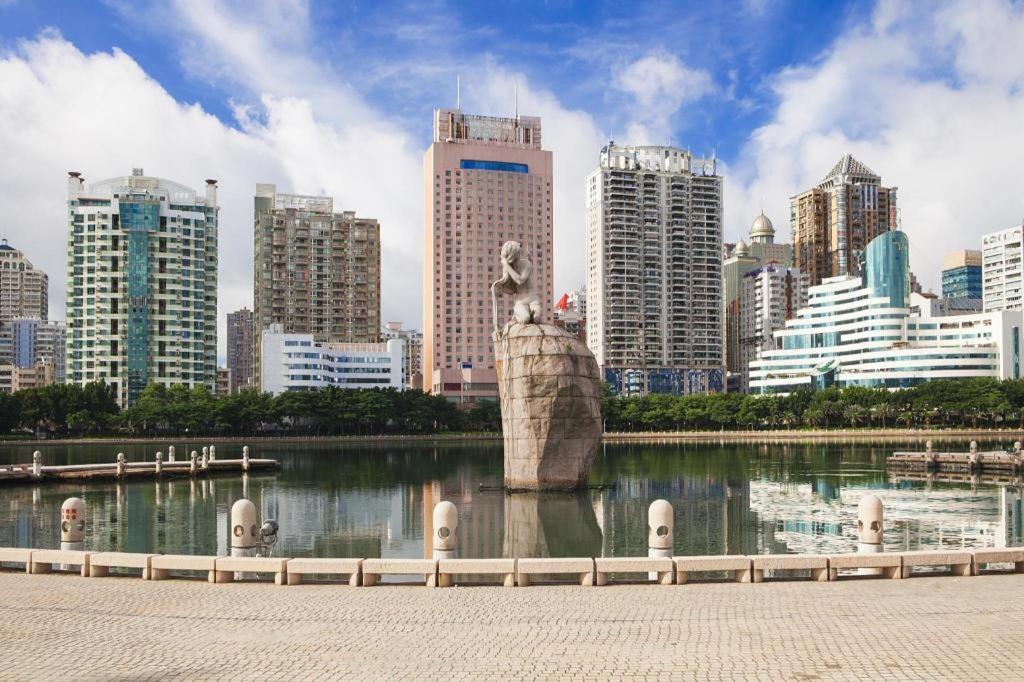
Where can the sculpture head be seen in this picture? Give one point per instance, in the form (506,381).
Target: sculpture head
(510,251)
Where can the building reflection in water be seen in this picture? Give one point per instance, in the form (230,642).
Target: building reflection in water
(368,503)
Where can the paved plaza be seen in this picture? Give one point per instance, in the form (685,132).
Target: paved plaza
(65,627)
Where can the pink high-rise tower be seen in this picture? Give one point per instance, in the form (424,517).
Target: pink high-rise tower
(486,180)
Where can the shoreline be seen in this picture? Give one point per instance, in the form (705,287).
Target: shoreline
(639,437)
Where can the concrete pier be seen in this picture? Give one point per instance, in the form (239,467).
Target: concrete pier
(23,473)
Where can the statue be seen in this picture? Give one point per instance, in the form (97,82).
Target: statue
(549,386)
(516,280)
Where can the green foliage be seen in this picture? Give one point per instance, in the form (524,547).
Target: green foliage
(950,403)
(72,410)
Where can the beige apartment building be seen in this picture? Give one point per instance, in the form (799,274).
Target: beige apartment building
(316,271)
(487,180)
(833,221)
(24,291)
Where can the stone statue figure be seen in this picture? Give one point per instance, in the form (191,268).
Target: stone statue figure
(516,271)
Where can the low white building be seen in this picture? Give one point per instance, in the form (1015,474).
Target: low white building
(295,362)
(869,330)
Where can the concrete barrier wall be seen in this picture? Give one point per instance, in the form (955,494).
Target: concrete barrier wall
(585,571)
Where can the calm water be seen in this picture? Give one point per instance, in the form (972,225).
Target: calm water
(369,501)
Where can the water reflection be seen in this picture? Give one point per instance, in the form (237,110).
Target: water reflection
(377,501)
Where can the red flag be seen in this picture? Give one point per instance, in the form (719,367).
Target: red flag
(563,303)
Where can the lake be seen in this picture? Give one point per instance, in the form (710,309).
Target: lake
(375,500)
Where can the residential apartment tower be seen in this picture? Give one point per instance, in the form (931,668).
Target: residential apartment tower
(654,270)
(141,283)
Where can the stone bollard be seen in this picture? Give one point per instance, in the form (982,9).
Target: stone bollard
(213,453)
(660,536)
(72,530)
(206,457)
(120,465)
(245,534)
(870,519)
(159,463)
(928,446)
(446,522)
(37,464)
(170,453)
(245,458)
(1016,447)
(974,446)
(192,464)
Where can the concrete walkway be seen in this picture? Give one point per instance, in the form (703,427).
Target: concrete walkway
(64,627)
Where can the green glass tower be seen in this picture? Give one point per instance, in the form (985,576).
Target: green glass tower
(142,284)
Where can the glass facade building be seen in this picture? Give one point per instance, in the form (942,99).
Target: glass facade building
(871,331)
(142,284)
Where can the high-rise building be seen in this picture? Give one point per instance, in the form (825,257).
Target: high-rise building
(654,270)
(24,291)
(769,296)
(27,342)
(741,258)
(412,365)
(961,274)
(241,350)
(871,330)
(833,221)
(1002,269)
(142,284)
(487,180)
(316,271)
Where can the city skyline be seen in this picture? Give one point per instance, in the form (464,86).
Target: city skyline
(273,117)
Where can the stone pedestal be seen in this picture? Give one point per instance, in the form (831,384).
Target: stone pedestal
(550,389)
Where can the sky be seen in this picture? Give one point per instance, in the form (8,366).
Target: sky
(337,99)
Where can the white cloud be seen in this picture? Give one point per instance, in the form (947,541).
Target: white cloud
(100,114)
(930,101)
(660,85)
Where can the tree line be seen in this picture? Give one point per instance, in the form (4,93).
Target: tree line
(92,410)
(941,403)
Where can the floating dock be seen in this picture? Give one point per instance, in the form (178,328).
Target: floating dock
(993,462)
(27,473)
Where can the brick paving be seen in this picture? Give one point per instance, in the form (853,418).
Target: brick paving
(66,627)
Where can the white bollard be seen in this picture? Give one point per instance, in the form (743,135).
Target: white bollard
(159,463)
(1016,447)
(206,456)
(37,464)
(660,534)
(192,464)
(213,453)
(170,454)
(72,529)
(446,522)
(245,458)
(120,465)
(245,533)
(974,446)
(870,528)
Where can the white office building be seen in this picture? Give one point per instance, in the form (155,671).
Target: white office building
(869,330)
(654,270)
(295,362)
(1002,269)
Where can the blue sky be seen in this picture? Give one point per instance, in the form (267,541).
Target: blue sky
(336,98)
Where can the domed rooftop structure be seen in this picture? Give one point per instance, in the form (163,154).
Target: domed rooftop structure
(741,249)
(761,230)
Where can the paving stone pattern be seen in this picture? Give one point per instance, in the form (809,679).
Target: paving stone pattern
(68,627)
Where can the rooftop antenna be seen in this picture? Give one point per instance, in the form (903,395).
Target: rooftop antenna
(458,92)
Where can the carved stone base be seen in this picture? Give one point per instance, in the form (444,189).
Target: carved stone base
(550,389)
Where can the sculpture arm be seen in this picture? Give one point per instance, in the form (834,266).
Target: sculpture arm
(517,277)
